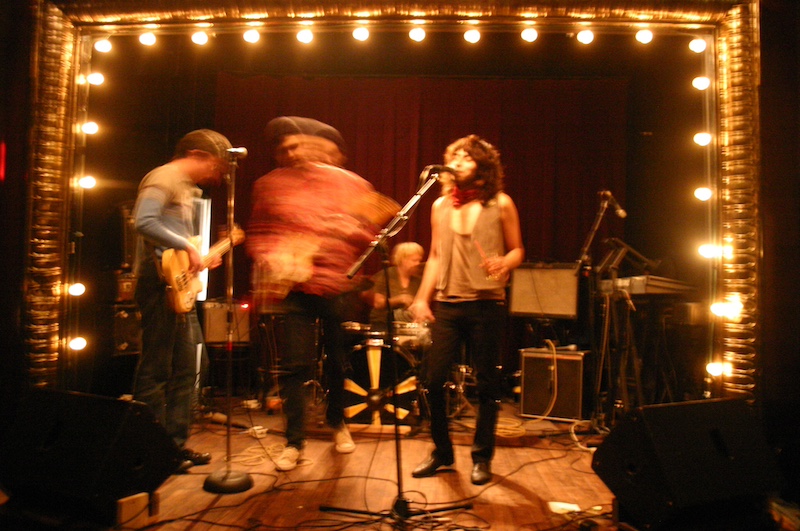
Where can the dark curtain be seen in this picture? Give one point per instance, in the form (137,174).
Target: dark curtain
(561,142)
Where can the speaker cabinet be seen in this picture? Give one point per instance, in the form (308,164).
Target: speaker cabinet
(542,378)
(127,329)
(671,464)
(215,323)
(73,453)
(545,290)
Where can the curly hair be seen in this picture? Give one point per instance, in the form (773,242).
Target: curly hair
(489,173)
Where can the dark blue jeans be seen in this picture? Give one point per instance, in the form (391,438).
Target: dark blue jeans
(167,368)
(477,326)
(298,337)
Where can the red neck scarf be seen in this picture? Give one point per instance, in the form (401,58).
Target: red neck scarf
(462,197)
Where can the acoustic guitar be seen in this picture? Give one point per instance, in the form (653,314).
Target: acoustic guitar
(183,287)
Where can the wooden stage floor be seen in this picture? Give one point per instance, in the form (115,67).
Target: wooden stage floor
(542,480)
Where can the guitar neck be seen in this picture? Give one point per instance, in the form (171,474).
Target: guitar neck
(218,249)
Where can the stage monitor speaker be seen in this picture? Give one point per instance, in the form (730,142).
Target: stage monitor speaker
(215,323)
(672,465)
(546,290)
(540,380)
(74,453)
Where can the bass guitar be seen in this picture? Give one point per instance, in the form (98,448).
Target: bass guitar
(183,287)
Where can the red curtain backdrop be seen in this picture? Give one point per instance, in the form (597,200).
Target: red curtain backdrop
(561,142)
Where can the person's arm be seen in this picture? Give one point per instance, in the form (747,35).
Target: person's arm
(420,308)
(512,236)
(148,221)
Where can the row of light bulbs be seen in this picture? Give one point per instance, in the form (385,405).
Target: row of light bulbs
(418,34)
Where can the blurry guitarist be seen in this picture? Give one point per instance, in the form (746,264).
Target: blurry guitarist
(164,217)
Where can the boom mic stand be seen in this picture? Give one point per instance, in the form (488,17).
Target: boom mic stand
(227,481)
(400,511)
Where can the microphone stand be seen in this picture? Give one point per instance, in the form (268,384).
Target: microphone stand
(400,510)
(227,481)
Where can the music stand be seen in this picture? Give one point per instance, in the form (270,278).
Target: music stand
(400,510)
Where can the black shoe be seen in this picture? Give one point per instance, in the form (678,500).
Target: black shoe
(195,457)
(183,467)
(481,473)
(430,466)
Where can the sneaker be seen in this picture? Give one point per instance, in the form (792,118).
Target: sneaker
(288,459)
(343,441)
(195,457)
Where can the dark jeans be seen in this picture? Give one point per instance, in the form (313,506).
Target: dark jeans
(296,338)
(167,368)
(478,326)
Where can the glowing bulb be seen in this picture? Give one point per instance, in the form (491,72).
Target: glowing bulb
(77,343)
(148,39)
(585,36)
(417,34)
(644,36)
(86,182)
(731,309)
(529,34)
(252,36)
(698,45)
(361,33)
(702,139)
(719,368)
(701,83)
(472,36)
(703,193)
(103,45)
(77,289)
(95,78)
(200,38)
(305,36)
(90,128)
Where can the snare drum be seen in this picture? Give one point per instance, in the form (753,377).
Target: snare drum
(369,388)
(416,336)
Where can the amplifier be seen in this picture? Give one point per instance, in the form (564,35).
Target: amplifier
(542,378)
(215,323)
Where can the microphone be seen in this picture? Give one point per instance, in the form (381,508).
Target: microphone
(238,152)
(606,194)
(437,168)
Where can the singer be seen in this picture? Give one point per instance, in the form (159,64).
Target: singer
(165,375)
(475,244)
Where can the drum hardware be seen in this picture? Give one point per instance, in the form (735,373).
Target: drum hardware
(459,403)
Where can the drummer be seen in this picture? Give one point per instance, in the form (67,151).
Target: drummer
(405,275)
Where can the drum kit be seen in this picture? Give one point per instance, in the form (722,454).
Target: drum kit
(385,373)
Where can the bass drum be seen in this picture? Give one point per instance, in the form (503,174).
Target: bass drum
(369,388)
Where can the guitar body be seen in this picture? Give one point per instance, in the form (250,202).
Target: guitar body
(183,288)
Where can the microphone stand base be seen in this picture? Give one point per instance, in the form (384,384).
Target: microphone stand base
(228,482)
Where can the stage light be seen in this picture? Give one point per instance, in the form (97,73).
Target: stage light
(529,34)
(102,45)
(252,36)
(305,36)
(717,369)
(361,33)
(730,309)
(87,182)
(698,45)
(77,343)
(472,36)
(644,36)
(200,38)
(96,78)
(148,39)
(703,193)
(417,34)
(710,251)
(702,139)
(701,83)
(90,128)
(77,289)
(585,36)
